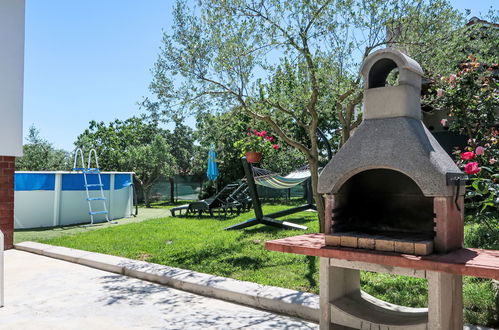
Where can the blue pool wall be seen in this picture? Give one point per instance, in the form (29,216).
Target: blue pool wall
(50,199)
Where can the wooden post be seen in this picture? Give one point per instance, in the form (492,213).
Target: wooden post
(250,180)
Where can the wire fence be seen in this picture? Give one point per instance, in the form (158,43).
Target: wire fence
(189,187)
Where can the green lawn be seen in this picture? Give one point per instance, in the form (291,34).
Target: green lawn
(42,234)
(202,245)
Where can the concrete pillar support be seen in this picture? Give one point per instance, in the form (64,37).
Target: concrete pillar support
(345,306)
(445,301)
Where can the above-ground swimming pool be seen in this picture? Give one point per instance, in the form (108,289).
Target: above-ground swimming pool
(50,199)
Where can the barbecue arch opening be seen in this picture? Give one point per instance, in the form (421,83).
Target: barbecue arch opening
(383,202)
(380,71)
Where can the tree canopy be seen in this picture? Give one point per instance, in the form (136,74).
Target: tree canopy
(292,65)
(134,144)
(40,155)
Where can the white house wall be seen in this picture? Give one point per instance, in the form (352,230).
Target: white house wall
(11,76)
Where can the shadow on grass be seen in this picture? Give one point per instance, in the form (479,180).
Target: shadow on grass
(168,203)
(204,216)
(312,269)
(60,228)
(262,229)
(220,261)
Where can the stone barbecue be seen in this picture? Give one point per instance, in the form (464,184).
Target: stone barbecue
(392,187)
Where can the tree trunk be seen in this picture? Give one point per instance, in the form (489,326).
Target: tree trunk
(172,189)
(146,192)
(345,134)
(313,164)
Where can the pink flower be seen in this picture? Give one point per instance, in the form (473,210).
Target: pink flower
(443,122)
(492,161)
(440,92)
(276,146)
(472,168)
(263,133)
(479,150)
(467,155)
(452,78)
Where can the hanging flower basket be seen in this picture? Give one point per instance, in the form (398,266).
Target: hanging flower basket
(253,156)
(255,144)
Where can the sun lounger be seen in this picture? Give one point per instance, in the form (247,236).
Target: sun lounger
(179,209)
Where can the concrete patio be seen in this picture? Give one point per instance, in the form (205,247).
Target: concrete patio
(46,293)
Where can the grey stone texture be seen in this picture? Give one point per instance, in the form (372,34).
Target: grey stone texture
(391,101)
(401,144)
(392,135)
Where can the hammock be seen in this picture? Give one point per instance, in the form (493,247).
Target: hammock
(273,180)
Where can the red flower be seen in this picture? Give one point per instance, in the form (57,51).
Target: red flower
(276,146)
(263,133)
(472,168)
(467,155)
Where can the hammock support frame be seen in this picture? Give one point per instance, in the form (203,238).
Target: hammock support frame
(269,219)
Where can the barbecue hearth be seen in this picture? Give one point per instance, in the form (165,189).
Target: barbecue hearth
(392,187)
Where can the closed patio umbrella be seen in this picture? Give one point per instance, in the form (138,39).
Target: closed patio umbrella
(212,171)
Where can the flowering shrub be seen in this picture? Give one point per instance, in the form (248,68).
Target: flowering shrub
(480,163)
(470,97)
(258,141)
(467,155)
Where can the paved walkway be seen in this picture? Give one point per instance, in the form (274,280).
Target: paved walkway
(45,293)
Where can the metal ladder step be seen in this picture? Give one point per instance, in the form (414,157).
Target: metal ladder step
(94,185)
(98,212)
(96,199)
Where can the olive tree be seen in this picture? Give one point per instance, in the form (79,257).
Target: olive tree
(285,63)
(134,144)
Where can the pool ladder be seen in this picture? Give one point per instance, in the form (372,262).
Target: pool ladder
(91,171)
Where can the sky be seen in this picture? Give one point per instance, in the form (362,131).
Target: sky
(91,60)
